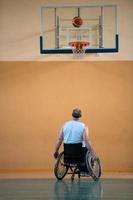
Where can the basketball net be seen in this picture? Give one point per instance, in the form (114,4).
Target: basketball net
(78,48)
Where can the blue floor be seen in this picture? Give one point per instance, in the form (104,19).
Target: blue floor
(51,189)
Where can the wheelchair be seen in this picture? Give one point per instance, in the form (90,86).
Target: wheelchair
(76,159)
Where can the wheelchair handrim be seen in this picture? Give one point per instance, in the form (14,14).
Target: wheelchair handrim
(60,163)
(94,166)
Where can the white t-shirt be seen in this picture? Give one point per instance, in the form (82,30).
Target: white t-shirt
(73,132)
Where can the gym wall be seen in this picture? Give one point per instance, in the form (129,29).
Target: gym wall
(37,96)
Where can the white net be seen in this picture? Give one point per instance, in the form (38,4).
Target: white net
(78,48)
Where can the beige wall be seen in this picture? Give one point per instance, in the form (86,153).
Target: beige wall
(36,98)
(20,29)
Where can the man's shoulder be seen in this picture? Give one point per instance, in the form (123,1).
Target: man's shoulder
(74,122)
(68,122)
(83,124)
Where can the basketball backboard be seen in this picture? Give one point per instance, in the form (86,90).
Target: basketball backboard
(99,28)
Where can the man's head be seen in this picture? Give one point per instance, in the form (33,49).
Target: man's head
(76,113)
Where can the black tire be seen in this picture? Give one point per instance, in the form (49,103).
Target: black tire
(94,166)
(60,170)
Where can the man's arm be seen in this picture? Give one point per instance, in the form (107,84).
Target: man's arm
(88,142)
(58,143)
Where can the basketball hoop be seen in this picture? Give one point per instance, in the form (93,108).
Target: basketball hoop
(79,48)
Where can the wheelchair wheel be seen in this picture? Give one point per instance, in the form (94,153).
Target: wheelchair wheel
(94,166)
(60,170)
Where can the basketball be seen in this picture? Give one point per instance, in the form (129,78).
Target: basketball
(77,22)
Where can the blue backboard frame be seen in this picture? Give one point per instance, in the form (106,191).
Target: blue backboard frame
(69,51)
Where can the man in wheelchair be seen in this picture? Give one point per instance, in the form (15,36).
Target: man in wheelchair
(78,155)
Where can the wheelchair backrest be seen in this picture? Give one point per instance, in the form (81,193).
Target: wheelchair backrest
(73,153)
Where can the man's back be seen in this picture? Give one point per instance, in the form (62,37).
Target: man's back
(73,132)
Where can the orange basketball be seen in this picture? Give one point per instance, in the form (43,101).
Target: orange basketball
(77,21)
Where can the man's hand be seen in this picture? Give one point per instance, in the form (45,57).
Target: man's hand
(56,154)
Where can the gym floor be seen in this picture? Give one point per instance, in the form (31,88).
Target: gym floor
(28,186)
(52,189)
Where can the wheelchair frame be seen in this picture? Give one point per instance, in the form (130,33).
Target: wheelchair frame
(74,168)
